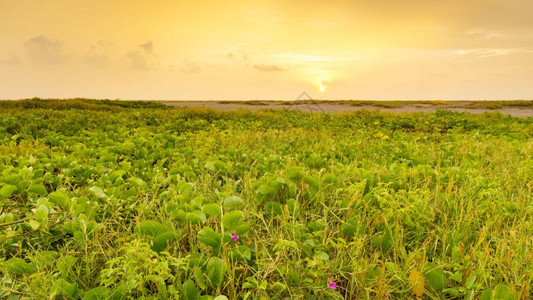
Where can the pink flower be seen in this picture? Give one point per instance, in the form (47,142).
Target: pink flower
(234,237)
(332,285)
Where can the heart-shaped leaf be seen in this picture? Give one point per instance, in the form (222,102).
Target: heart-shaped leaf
(97,191)
(161,241)
(211,209)
(151,228)
(232,202)
(190,291)
(38,189)
(232,218)
(7,190)
(215,271)
(435,277)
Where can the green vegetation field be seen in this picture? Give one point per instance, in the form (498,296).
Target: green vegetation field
(117,200)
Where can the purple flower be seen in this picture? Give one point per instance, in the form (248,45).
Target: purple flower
(386,295)
(234,236)
(332,285)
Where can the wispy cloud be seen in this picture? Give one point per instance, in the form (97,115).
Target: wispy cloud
(481,33)
(239,56)
(44,50)
(189,67)
(97,55)
(244,58)
(148,47)
(268,68)
(488,52)
(12,60)
(143,59)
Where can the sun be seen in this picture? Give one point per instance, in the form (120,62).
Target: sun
(322,88)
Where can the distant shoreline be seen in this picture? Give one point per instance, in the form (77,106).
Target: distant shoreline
(522,109)
(515,108)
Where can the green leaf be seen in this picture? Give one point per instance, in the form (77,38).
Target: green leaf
(65,288)
(59,198)
(198,276)
(179,215)
(151,228)
(194,218)
(435,277)
(349,228)
(41,213)
(312,181)
(44,258)
(136,182)
(294,278)
(241,253)
(221,297)
(38,189)
(248,285)
(215,271)
(263,285)
(161,241)
(98,293)
(383,241)
(279,287)
(34,224)
(65,264)
(456,253)
(210,238)
(329,178)
(12,179)
(469,282)
(322,256)
(231,218)
(119,292)
(232,202)
(500,292)
(211,209)
(503,292)
(294,173)
(487,295)
(273,208)
(97,192)
(19,266)
(210,166)
(7,190)
(190,290)
(453,291)
(293,206)
(241,229)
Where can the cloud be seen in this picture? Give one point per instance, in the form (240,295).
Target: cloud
(137,61)
(239,56)
(268,68)
(480,33)
(44,50)
(144,59)
(189,67)
(148,47)
(12,60)
(243,57)
(97,60)
(97,56)
(484,53)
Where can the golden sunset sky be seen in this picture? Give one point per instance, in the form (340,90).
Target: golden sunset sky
(266,49)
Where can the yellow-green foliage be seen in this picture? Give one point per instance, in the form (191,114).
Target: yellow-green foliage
(189,203)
